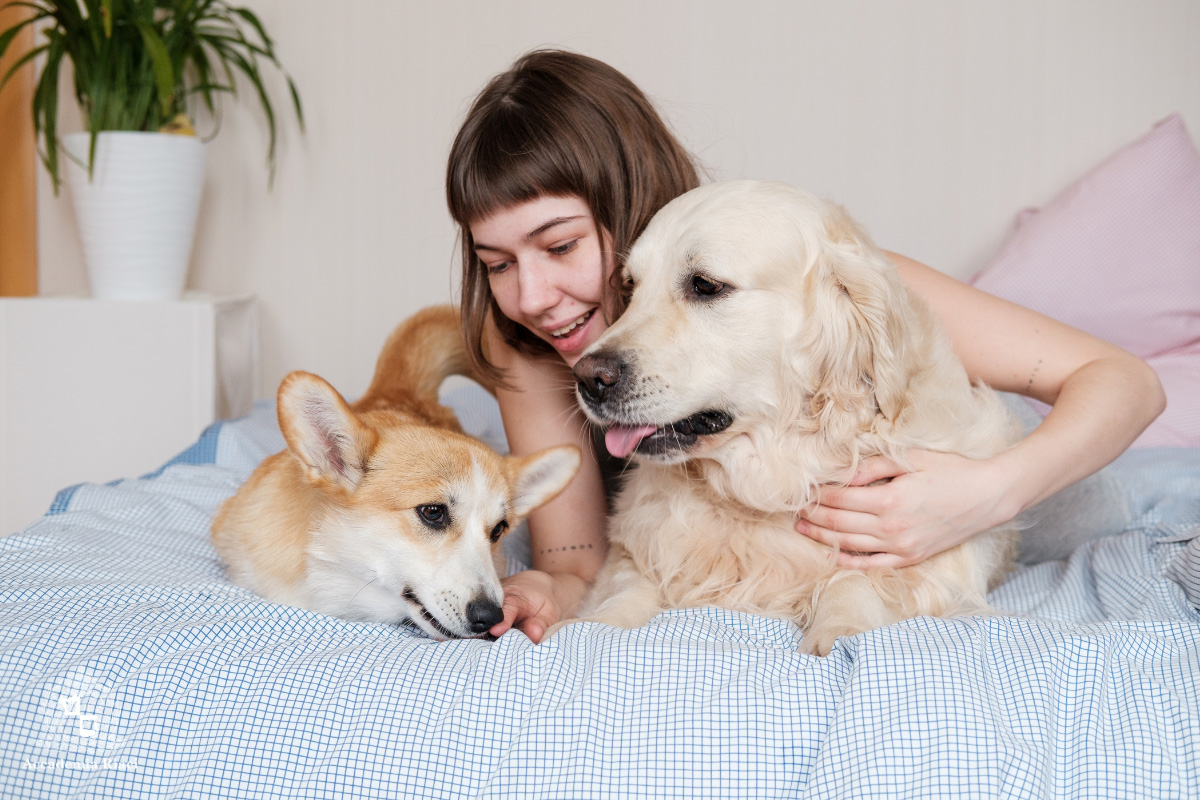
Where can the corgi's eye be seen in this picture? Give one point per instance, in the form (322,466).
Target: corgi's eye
(498,531)
(435,515)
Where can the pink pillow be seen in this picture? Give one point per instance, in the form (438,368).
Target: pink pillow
(1117,254)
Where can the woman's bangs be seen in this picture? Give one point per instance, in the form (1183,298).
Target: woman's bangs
(503,171)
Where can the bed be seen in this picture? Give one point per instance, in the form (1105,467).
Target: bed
(131,667)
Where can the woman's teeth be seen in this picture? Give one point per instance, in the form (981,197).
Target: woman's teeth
(563,331)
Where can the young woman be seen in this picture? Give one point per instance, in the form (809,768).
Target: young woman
(561,163)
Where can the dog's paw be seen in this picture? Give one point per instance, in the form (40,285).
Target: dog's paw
(818,643)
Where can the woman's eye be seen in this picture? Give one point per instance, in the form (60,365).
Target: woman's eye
(496,269)
(498,531)
(563,249)
(435,515)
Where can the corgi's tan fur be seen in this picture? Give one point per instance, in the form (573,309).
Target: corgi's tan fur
(384,510)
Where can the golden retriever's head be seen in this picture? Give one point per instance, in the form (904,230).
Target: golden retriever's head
(756,308)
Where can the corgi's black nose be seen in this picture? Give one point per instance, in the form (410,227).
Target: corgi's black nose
(596,375)
(483,614)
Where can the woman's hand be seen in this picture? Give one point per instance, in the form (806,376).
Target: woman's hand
(534,600)
(944,500)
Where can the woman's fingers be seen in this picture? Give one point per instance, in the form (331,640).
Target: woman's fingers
(510,616)
(876,468)
(872,560)
(528,605)
(903,521)
(856,542)
(864,540)
(856,550)
(534,628)
(843,520)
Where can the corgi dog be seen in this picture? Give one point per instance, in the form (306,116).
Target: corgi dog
(384,510)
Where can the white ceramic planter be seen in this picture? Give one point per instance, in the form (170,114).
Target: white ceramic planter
(137,214)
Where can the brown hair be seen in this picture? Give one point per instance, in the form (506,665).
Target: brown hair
(556,124)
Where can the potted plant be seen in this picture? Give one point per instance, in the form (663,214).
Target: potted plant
(136,172)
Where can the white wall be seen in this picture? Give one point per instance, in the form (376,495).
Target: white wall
(934,121)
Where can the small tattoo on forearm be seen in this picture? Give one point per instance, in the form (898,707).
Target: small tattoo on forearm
(1033,374)
(564,549)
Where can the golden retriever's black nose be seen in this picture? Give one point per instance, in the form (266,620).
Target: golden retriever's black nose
(483,614)
(596,375)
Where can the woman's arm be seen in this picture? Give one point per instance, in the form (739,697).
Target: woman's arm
(567,535)
(1102,398)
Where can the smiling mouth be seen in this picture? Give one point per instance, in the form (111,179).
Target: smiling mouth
(411,597)
(566,330)
(621,440)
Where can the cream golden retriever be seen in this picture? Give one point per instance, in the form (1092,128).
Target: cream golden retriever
(767,349)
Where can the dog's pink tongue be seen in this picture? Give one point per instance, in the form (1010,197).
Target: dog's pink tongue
(621,440)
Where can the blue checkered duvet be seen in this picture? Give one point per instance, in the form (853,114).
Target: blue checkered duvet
(130,667)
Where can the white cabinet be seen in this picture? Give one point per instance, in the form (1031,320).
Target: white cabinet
(92,391)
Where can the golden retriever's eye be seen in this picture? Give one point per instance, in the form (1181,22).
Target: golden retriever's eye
(435,515)
(498,531)
(703,287)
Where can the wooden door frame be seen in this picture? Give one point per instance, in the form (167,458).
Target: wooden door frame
(18,169)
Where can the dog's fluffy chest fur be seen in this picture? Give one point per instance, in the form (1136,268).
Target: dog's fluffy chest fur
(706,550)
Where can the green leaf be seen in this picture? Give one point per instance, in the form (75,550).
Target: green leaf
(249,16)
(163,71)
(296,102)
(11,33)
(45,107)
(204,80)
(250,70)
(44,8)
(137,62)
(32,54)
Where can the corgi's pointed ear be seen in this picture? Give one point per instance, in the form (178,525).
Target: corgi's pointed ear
(537,479)
(322,432)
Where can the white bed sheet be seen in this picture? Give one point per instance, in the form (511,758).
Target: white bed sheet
(131,667)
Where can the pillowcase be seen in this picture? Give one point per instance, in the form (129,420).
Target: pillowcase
(1117,254)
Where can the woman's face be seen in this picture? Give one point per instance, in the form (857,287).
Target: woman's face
(548,264)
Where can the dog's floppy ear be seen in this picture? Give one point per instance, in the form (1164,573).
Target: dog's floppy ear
(858,305)
(538,478)
(321,431)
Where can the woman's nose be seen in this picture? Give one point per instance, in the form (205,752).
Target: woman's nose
(538,292)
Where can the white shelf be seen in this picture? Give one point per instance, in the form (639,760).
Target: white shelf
(92,391)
